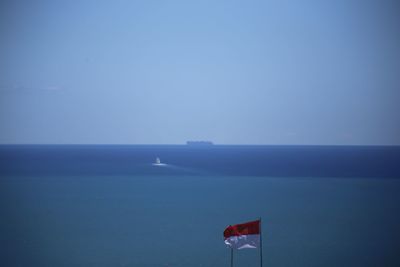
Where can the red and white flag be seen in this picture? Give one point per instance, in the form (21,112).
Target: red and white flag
(245,235)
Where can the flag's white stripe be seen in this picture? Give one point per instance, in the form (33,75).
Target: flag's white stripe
(243,241)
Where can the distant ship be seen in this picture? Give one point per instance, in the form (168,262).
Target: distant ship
(199,143)
(158,162)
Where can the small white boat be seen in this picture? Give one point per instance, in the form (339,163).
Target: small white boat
(158,162)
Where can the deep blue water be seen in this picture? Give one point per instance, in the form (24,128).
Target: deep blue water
(275,161)
(108,206)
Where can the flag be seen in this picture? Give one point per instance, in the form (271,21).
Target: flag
(245,235)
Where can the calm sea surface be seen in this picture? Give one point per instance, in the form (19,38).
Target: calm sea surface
(109,206)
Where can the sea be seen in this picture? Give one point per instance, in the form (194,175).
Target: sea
(109,205)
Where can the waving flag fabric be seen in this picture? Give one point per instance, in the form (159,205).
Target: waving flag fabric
(245,235)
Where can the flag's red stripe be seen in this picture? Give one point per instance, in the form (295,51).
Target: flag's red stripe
(249,228)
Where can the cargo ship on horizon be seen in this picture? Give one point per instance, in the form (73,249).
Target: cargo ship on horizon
(199,143)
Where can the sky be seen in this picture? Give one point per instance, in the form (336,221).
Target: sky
(232,72)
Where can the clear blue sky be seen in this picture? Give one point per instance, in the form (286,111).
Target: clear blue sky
(233,72)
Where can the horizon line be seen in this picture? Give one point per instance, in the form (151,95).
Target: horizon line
(187,145)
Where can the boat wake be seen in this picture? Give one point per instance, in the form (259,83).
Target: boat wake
(179,169)
(159,164)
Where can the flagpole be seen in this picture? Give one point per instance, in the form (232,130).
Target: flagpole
(231,257)
(261,259)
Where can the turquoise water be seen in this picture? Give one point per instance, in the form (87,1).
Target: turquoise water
(168,220)
(109,206)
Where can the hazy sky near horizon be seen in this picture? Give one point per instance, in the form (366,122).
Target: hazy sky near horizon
(233,72)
